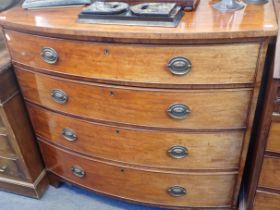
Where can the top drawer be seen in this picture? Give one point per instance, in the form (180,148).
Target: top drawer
(149,64)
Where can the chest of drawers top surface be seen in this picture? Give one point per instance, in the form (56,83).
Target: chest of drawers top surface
(204,23)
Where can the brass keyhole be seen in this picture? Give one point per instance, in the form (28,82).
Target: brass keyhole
(106,51)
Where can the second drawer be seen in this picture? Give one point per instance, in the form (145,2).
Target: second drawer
(183,109)
(215,150)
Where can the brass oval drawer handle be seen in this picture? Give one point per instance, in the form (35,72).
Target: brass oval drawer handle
(179,66)
(178,111)
(78,171)
(59,96)
(177,191)
(3,168)
(178,152)
(69,134)
(49,55)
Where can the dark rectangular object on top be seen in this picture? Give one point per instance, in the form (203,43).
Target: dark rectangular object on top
(188,5)
(145,14)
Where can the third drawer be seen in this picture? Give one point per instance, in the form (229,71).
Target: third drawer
(150,148)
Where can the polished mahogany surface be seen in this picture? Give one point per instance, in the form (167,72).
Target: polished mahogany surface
(204,23)
(233,63)
(100,96)
(142,147)
(137,106)
(202,190)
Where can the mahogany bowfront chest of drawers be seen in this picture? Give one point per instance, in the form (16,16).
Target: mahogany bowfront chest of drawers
(160,116)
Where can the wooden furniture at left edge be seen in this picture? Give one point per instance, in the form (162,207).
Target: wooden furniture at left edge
(21,168)
(104,102)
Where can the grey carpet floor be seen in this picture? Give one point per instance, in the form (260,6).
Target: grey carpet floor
(66,197)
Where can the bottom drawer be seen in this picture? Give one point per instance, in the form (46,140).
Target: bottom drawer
(10,169)
(153,187)
(266,201)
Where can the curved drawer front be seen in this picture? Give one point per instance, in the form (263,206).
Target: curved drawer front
(139,185)
(203,109)
(201,64)
(142,147)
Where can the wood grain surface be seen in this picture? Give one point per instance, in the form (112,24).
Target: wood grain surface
(210,109)
(270,174)
(203,190)
(21,167)
(273,142)
(135,63)
(148,148)
(266,201)
(204,23)
(228,53)
(6,149)
(8,83)
(9,168)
